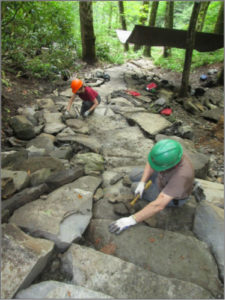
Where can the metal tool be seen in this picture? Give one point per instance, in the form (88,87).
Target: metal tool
(138,196)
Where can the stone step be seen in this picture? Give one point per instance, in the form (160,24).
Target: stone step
(23,259)
(163,252)
(120,279)
(56,289)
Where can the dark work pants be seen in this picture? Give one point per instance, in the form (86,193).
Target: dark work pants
(86,105)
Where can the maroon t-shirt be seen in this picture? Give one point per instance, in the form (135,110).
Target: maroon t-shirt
(88,95)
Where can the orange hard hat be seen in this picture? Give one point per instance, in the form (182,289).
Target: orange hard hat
(76,84)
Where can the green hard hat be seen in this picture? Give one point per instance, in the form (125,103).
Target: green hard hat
(165,154)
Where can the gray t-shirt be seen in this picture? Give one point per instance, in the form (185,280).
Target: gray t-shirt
(177,182)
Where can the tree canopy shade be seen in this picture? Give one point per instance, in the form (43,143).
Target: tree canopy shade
(40,37)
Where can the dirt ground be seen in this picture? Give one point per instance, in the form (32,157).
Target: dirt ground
(23,91)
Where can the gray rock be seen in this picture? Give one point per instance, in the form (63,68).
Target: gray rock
(103,273)
(40,176)
(64,152)
(93,163)
(214,192)
(178,219)
(167,253)
(116,178)
(66,93)
(20,180)
(21,198)
(63,177)
(209,227)
(78,126)
(53,123)
(22,127)
(88,141)
(33,164)
(43,141)
(98,195)
(55,289)
(62,217)
(213,114)
(104,210)
(150,123)
(186,132)
(34,151)
(23,259)
(45,103)
(160,101)
(107,177)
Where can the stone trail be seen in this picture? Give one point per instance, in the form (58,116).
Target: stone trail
(65,180)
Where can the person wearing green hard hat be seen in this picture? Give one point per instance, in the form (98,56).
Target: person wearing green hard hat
(172,176)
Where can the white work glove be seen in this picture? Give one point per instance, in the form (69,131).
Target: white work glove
(86,113)
(67,113)
(122,224)
(140,188)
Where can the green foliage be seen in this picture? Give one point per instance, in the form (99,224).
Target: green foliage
(176,60)
(211,16)
(5,80)
(29,27)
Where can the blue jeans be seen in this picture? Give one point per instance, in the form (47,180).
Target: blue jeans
(153,191)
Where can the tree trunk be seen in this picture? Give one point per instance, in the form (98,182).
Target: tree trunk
(110,18)
(143,18)
(168,24)
(87,32)
(190,41)
(123,21)
(155,4)
(219,23)
(202,15)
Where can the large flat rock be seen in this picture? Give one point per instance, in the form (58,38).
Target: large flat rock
(23,259)
(150,123)
(209,227)
(213,191)
(62,217)
(163,252)
(55,289)
(120,279)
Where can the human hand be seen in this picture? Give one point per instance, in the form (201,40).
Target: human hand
(122,224)
(140,188)
(67,113)
(86,113)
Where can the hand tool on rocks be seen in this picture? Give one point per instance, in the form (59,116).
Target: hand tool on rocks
(138,195)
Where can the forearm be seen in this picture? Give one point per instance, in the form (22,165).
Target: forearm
(153,207)
(94,105)
(70,103)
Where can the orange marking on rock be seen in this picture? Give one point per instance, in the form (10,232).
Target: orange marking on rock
(109,249)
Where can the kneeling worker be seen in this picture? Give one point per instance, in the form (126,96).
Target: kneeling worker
(172,176)
(90,97)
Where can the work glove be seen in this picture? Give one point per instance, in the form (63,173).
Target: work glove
(140,188)
(122,224)
(86,113)
(67,113)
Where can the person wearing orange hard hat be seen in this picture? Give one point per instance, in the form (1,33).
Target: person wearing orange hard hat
(90,97)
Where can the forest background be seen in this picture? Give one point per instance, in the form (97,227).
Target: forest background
(43,39)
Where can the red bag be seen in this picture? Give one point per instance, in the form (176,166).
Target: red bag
(151,86)
(133,93)
(166,111)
